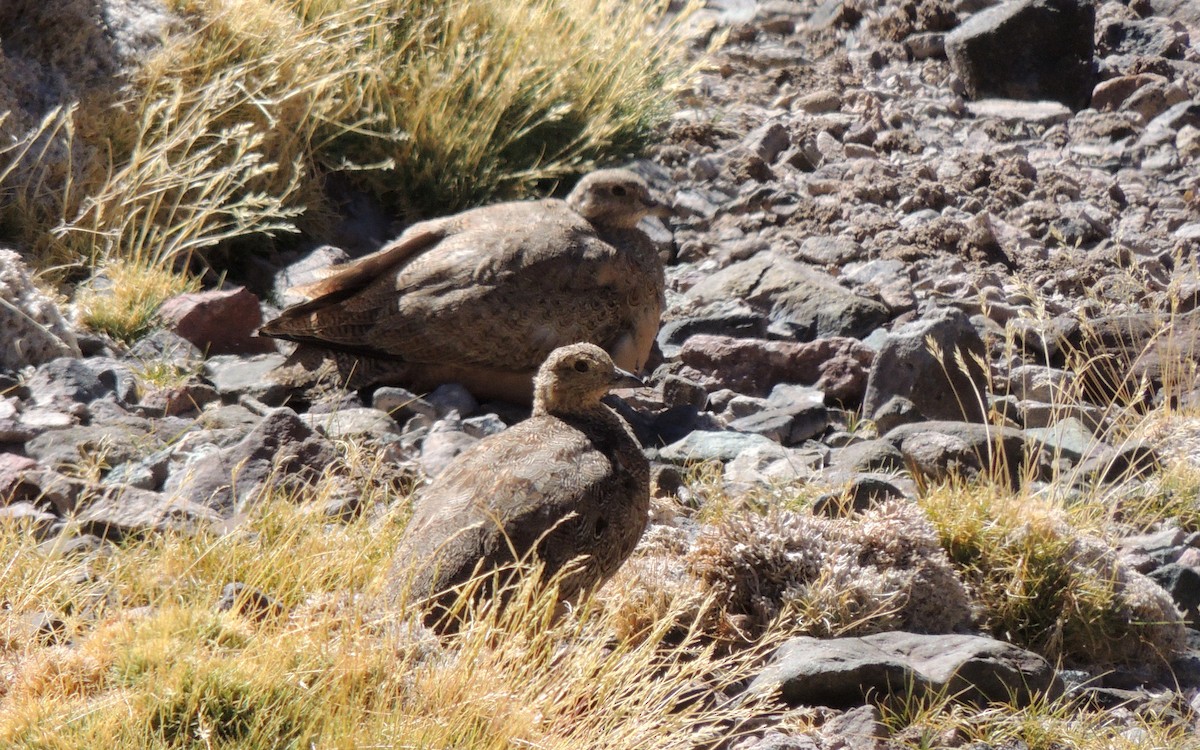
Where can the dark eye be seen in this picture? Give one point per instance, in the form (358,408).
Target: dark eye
(618,190)
(581,366)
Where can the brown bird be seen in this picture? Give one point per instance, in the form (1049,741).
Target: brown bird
(567,485)
(483,297)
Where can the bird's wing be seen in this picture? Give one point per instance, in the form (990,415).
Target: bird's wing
(348,279)
(501,291)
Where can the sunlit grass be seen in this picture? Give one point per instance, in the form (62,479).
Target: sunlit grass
(231,128)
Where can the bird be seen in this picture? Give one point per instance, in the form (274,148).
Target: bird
(482,297)
(569,487)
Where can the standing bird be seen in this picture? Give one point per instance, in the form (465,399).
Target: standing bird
(569,485)
(483,297)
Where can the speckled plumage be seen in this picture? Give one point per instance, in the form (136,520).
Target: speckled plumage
(568,484)
(482,297)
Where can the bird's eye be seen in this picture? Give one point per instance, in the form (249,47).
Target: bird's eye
(581,366)
(618,190)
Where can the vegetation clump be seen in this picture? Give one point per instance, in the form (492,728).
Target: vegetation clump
(232,121)
(883,569)
(1046,584)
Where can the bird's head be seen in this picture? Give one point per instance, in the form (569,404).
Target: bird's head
(574,378)
(614,198)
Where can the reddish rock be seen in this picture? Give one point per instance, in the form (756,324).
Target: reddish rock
(1109,95)
(837,366)
(12,469)
(218,322)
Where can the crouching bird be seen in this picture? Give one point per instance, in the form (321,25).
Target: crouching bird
(482,297)
(569,487)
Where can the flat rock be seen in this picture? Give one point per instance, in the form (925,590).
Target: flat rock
(842,672)
(943,449)
(110,444)
(117,512)
(835,366)
(235,376)
(67,380)
(1015,110)
(808,303)
(350,422)
(703,445)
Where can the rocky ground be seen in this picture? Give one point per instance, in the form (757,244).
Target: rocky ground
(853,181)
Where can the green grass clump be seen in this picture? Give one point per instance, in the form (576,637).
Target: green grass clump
(1042,725)
(124,298)
(1049,586)
(232,128)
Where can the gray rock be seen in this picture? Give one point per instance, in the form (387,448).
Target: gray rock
(166,346)
(809,304)
(759,465)
(949,385)
(102,445)
(731,318)
(830,251)
(843,672)
(860,493)
(1147,37)
(32,329)
(860,728)
(484,425)
(838,672)
(401,403)
(117,512)
(1027,49)
(1108,465)
(66,380)
(943,449)
(236,376)
(868,455)
(306,270)
(1017,111)
(1040,383)
(767,141)
(835,366)
(446,439)
(704,445)
(280,450)
(1068,439)
(352,422)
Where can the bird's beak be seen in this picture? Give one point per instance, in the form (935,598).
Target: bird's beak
(626,379)
(657,208)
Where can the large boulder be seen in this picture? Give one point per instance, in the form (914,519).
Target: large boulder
(1028,49)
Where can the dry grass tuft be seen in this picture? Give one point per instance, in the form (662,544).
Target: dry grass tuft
(750,574)
(232,128)
(152,664)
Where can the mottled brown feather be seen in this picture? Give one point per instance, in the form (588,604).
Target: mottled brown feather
(484,296)
(568,484)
